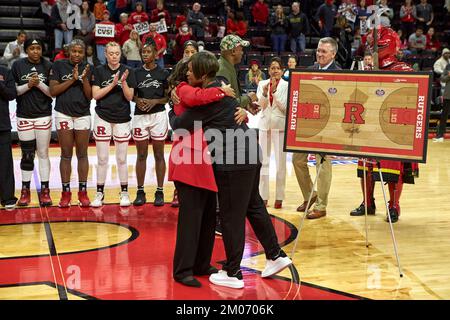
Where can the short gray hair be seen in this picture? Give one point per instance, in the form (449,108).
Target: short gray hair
(77,42)
(331,41)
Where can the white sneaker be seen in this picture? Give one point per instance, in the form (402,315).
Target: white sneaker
(222,279)
(275,266)
(10,206)
(98,200)
(124,199)
(441,139)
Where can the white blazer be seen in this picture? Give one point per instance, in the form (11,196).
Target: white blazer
(273,116)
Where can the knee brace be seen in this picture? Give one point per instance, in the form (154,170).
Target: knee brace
(28,153)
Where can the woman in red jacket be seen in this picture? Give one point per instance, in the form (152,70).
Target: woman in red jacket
(191,170)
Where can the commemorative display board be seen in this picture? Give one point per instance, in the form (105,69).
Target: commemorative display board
(374,114)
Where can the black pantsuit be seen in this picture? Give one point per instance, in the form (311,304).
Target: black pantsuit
(195,230)
(239,198)
(7,170)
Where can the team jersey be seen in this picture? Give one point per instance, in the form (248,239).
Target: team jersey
(71,102)
(151,84)
(33,103)
(113,107)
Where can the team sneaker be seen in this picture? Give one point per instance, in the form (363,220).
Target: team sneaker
(44,197)
(25,197)
(276,264)
(98,200)
(441,139)
(10,206)
(140,198)
(83,199)
(222,278)
(66,197)
(124,199)
(159,199)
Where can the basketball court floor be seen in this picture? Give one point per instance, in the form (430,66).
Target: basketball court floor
(126,253)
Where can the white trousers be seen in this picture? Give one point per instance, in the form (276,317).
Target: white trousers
(266,139)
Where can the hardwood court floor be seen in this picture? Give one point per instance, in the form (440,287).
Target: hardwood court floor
(331,251)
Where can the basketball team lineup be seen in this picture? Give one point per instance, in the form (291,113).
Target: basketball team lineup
(243,222)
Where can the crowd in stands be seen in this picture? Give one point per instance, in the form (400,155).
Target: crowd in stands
(285,24)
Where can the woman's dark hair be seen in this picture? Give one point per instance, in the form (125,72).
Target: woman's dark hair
(278,60)
(88,12)
(178,74)
(204,63)
(191,43)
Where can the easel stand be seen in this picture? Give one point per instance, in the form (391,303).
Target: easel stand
(387,213)
(365,202)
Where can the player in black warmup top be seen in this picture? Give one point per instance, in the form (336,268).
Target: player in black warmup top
(150,120)
(34,118)
(113,88)
(70,84)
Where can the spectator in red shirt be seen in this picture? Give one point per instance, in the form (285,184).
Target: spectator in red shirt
(184,34)
(433,44)
(236,24)
(121,7)
(63,54)
(100,42)
(139,15)
(160,14)
(161,44)
(260,13)
(180,18)
(123,29)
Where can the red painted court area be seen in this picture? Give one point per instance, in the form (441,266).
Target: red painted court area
(126,253)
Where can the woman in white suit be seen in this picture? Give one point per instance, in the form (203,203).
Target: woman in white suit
(272,98)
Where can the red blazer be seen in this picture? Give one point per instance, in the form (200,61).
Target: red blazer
(193,147)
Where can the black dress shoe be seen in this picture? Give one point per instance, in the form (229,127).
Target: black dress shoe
(189,281)
(394,215)
(140,198)
(361,210)
(208,272)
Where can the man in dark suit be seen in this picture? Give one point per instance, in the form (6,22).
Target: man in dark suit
(325,55)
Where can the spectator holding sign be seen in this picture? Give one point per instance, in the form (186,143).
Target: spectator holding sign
(62,15)
(102,38)
(161,44)
(184,34)
(123,29)
(161,15)
(348,10)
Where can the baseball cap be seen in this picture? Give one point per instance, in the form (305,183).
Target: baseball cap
(106,11)
(231,41)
